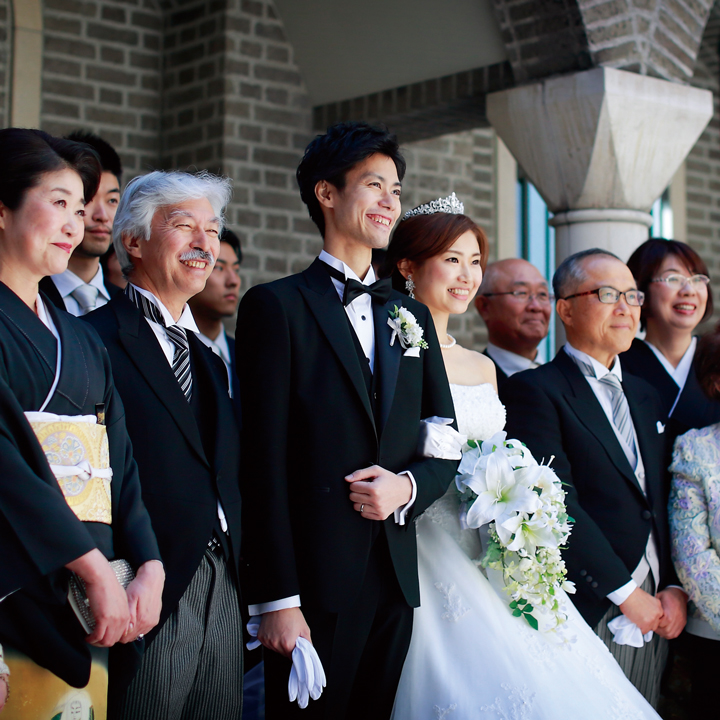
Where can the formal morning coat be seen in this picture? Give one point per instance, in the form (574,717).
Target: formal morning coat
(185,464)
(553,410)
(312,414)
(39,533)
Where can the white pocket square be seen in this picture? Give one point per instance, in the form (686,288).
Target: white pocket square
(412,352)
(660,428)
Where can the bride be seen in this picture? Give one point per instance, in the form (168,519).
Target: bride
(469,658)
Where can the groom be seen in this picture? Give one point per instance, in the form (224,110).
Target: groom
(331,480)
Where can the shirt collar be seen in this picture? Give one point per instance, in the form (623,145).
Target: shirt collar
(67,282)
(600,370)
(327,258)
(510,362)
(186,320)
(220,343)
(680,373)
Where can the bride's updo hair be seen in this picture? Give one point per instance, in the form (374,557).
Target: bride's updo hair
(422,237)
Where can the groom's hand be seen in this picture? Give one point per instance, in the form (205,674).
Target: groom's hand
(280,630)
(643,609)
(376,493)
(674,602)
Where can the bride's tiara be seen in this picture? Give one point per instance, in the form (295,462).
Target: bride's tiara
(449,204)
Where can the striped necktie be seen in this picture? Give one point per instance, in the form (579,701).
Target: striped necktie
(620,408)
(176,334)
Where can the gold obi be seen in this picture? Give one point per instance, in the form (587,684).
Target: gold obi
(76,447)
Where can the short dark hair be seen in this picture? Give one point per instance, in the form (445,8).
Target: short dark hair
(229,237)
(109,159)
(422,237)
(27,155)
(570,270)
(645,263)
(329,157)
(707,363)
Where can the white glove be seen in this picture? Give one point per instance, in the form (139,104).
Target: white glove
(437,439)
(626,632)
(307,676)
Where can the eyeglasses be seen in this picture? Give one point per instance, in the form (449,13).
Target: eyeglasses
(677,281)
(609,296)
(542,297)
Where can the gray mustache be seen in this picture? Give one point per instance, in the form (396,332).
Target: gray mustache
(198,254)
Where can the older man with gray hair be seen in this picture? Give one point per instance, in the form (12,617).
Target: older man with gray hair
(604,428)
(181,422)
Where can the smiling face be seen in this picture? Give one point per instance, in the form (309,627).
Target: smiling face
(447,282)
(668,307)
(37,239)
(601,330)
(177,260)
(99,216)
(364,212)
(220,297)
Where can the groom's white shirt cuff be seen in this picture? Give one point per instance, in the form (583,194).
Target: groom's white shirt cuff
(274,606)
(620,595)
(401,512)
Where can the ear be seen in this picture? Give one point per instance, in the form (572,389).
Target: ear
(481,305)
(564,310)
(133,245)
(325,193)
(3,215)
(406,268)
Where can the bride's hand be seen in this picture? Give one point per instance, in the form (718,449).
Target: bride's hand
(376,493)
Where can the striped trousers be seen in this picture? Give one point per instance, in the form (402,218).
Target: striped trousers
(193,667)
(643,666)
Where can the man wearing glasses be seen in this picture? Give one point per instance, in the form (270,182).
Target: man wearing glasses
(605,430)
(515,304)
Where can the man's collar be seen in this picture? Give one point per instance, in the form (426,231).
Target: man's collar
(598,367)
(510,362)
(220,343)
(329,259)
(67,282)
(186,320)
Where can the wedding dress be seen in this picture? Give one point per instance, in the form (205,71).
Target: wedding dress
(469,658)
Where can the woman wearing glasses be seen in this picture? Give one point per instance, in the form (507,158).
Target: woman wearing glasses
(677,298)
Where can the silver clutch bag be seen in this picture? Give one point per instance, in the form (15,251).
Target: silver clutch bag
(77,594)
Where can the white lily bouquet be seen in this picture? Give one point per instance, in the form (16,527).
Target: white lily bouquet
(523,504)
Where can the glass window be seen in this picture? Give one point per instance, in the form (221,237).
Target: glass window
(662,216)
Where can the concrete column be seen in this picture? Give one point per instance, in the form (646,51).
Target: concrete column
(600,146)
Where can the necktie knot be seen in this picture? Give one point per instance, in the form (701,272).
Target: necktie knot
(379,291)
(86,297)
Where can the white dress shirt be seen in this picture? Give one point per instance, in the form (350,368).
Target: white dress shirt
(680,373)
(186,321)
(220,347)
(360,314)
(67,282)
(510,362)
(650,562)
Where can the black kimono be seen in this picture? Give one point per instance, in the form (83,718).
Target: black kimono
(39,533)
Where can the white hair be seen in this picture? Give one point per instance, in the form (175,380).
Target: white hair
(146,193)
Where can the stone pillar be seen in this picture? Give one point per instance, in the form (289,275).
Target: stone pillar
(600,146)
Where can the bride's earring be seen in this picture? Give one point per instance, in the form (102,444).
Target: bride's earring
(410,286)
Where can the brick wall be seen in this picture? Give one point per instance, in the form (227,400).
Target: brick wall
(101,72)
(703,168)
(4,62)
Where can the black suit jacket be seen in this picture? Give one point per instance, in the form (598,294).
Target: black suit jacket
(308,421)
(234,379)
(500,373)
(53,294)
(554,411)
(181,476)
(693,409)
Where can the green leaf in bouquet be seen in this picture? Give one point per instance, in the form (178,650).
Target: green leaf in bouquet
(522,601)
(472,443)
(532,622)
(570,519)
(517,613)
(513,604)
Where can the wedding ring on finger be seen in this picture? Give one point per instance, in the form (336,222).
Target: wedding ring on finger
(362,507)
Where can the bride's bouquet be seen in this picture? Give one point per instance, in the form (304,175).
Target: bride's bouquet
(523,504)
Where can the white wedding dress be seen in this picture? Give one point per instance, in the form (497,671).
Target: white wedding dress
(469,658)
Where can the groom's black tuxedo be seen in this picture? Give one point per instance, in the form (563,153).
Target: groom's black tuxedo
(312,414)
(553,410)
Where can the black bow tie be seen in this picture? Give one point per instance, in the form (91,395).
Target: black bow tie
(379,291)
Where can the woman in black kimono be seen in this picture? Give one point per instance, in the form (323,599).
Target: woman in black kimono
(54,521)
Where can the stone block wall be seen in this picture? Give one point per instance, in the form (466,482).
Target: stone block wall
(101,72)
(4,63)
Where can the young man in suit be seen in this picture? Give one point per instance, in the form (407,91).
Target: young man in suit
(515,305)
(604,429)
(218,300)
(184,436)
(331,410)
(82,287)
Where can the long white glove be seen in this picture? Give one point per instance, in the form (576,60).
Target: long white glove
(437,439)
(307,676)
(626,632)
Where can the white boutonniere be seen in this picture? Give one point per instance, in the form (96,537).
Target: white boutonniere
(407,331)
